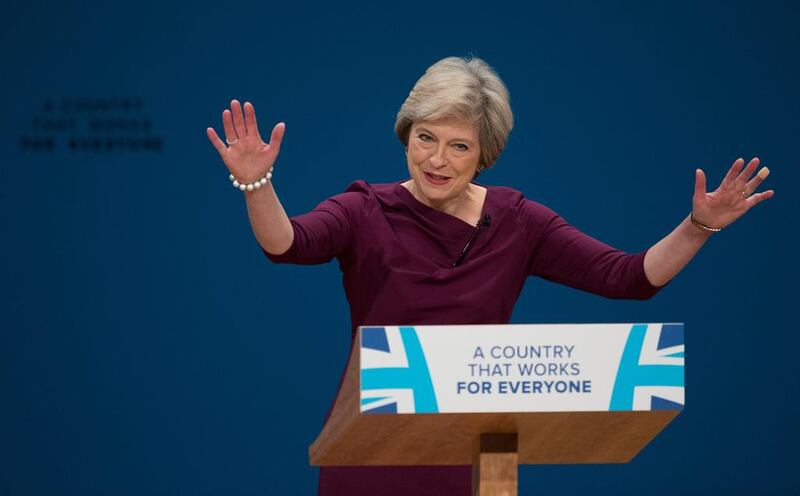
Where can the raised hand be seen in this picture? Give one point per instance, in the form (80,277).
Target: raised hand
(734,196)
(247,157)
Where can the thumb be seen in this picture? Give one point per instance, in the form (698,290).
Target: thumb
(699,183)
(276,138)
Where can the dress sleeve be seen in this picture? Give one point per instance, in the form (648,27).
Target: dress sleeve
(326,231)
(563,254)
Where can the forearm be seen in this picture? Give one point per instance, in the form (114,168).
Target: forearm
(670,255)
(269,221)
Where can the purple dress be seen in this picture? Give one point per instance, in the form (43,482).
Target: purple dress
(396,255)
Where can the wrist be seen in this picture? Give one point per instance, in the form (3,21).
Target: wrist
(702,227)
(252,185)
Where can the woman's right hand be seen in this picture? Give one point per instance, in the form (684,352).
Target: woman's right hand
(247,157)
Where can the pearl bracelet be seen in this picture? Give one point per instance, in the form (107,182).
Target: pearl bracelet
(251,186)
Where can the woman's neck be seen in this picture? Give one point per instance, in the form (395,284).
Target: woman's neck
(467,206)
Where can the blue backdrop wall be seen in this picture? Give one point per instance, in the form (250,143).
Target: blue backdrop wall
(148,347)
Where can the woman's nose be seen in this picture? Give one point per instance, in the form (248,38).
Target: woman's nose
(438,159)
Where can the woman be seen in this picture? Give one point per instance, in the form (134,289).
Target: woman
(439,248)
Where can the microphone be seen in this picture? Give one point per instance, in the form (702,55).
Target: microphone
(485,221)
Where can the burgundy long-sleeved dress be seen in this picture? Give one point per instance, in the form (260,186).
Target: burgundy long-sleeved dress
(396,255)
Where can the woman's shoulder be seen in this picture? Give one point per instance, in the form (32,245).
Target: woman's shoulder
(385,194)
(360,196)
(371,189)
(504,197)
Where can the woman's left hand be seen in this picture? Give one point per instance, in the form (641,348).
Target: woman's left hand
(734,196)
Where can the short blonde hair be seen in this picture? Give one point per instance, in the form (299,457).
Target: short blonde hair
(465,88)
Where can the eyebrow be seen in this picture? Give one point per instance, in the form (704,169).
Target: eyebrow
(465,140)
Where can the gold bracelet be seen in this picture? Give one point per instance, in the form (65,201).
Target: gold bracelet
(703,226)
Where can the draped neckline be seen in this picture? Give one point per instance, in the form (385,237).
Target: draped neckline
(447,221)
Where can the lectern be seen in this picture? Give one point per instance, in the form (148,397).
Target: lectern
(495,396)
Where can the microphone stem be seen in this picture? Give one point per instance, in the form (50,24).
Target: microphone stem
(484,222)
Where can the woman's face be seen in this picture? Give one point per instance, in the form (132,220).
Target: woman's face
(442,159)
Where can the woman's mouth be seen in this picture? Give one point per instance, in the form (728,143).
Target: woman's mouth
(436,179)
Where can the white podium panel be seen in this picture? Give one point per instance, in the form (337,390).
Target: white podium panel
(521,368)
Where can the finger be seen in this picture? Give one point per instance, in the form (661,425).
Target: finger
(730,177)
(238,119)
(757,198)
(699,183)
(250,119)
(227,125)
(218,144)
(276,138)
(756,181)
(748,171)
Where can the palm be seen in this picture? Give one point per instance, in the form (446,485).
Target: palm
(247,157)
(734,196)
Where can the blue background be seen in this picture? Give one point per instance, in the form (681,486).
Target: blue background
(148,347)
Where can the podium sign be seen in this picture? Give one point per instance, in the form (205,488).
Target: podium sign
(466,394)
(521,368)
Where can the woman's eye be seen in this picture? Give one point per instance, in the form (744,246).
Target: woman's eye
(424,137)
(461,147)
